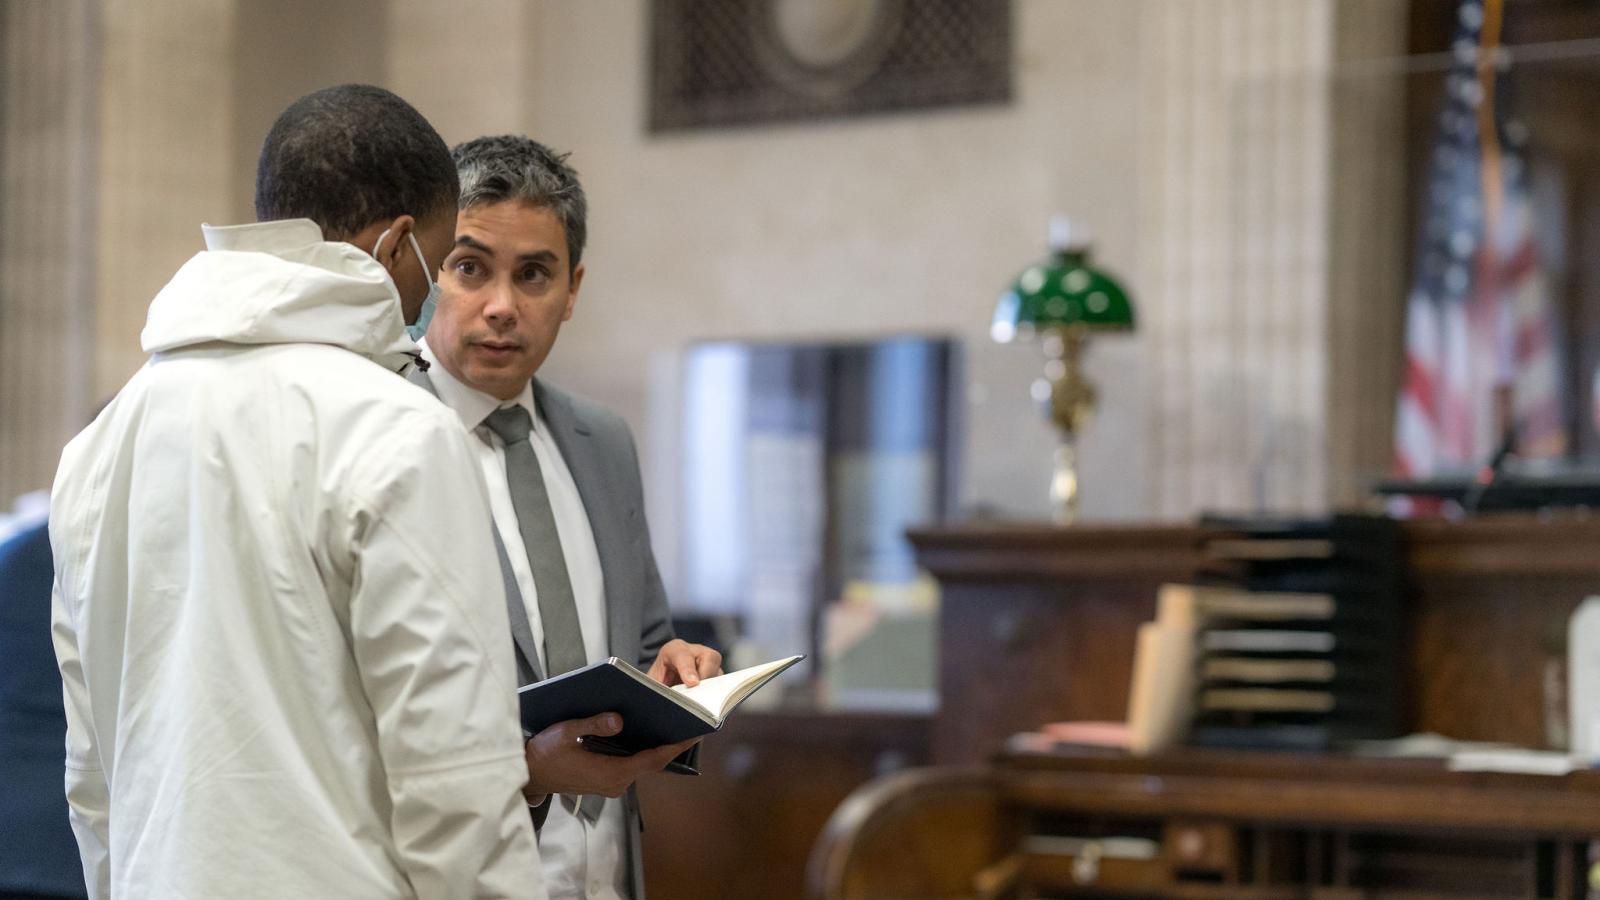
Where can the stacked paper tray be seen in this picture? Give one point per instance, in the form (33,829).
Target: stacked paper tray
(1300,632)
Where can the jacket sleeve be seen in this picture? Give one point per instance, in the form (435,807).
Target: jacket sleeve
(655,617)
(88,795)
(431,640)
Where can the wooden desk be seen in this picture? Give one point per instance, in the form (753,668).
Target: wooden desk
(1037,623)
(1332,791)
(1231,824)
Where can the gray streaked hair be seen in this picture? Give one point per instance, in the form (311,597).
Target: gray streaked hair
(514,167)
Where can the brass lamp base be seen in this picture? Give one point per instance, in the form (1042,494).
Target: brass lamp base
(1064,483)
(1068,399)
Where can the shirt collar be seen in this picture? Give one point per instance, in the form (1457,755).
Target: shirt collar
(471,404)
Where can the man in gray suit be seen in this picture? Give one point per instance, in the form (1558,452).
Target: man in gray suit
(563,481)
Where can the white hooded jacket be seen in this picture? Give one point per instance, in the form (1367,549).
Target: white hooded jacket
(278,614)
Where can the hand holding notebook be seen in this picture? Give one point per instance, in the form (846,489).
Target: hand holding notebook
(652,714)
(561,760)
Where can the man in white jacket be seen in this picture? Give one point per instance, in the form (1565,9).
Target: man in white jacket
(278,612)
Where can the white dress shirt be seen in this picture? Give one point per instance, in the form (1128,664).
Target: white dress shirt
(580,860)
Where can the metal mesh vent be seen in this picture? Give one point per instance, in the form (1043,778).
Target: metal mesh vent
(738,62)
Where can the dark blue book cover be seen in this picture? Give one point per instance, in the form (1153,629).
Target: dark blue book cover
(652,713)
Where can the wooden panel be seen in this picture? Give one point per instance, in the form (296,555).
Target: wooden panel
(1015,657)
(1328,790)
(1490,602)
(746,826)
(1478,653)
(1038,623)
(1512,546)
(1026,552)
(1536,21)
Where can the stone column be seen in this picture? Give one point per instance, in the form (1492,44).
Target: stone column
(47,247)
(1369,272)
(165,162)
(1259,199)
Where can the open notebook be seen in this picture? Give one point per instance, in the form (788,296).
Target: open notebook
(652,713)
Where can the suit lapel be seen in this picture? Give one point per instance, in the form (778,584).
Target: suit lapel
(584,458)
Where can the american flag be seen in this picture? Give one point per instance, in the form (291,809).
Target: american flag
(1482,348)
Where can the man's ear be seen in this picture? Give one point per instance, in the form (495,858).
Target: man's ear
(572,292)
(391,242)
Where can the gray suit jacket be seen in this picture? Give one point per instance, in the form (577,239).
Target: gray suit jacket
(598,449)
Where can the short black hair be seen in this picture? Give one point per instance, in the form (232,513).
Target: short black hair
(505,167)
(348,156)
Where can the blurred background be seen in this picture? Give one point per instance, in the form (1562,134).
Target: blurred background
(775,180)
(1242,166)
(804,212)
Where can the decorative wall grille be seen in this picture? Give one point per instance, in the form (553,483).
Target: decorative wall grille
(739,62)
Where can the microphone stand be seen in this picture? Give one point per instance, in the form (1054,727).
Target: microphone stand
(1490,473)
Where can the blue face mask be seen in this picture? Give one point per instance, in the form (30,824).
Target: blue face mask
(429,302)
(423,318)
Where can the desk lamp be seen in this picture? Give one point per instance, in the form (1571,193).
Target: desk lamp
(1059,302)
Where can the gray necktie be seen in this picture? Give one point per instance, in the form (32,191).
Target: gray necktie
(558,611)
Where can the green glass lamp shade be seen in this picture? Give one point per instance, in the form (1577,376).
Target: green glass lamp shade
(1062,291)
(1063,300)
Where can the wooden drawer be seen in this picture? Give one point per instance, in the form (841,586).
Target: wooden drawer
(1115,863)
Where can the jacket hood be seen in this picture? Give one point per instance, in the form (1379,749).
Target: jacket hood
(280,283)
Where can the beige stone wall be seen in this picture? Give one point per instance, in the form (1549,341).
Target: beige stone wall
(846,229)
(472,67)
(127,125)
(166,110)
(45,258)
(188,89)
(46,243)
(284,49)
